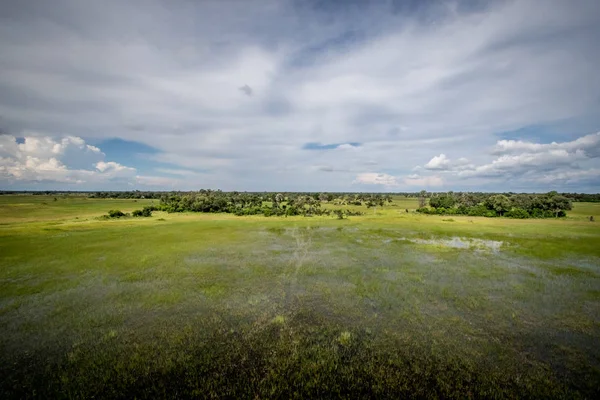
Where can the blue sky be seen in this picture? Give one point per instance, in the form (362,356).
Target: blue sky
(300,95)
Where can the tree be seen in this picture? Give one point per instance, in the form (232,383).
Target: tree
(443,201)
(468,200)
(523,201)
(422,198)
(339,214)
(279,198)
(499,203)
(558,203)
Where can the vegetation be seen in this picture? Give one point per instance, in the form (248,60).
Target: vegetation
(273,204)
(116,214)
(387,304)
(516,206)
(144,212)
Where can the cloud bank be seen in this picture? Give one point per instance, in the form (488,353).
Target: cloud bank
(496,95)
(68,161)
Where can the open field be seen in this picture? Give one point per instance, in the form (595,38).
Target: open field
(388,304)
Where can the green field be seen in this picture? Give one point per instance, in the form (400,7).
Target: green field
(385,305)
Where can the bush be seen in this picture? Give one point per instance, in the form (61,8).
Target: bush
(517,213)
(145,212)
(116,214)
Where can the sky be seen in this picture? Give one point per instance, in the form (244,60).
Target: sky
(300,95)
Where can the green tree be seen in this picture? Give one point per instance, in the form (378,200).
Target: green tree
(559,203)
(499,203)
(443,200)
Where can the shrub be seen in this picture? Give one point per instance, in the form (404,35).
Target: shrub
(116,214)
(517,213)
(147,211)
(477,211)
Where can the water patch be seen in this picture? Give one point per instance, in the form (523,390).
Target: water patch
(460,243)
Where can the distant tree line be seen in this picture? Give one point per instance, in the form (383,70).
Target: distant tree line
(267,204)
(344,197)
(547,205)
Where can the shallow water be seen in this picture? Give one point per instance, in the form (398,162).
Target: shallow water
(460,243)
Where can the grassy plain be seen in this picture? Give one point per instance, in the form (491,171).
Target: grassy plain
(389,304)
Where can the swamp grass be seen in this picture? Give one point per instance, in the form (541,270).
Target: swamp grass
(218,306)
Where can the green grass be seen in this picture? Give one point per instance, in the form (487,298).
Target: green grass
(213,305)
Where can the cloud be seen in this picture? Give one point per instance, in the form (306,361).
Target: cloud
(371,178)
(45,159)
(423,181)
(589,144)
(180,172)
(404,83)
(553,163)
(573,176)
(247,90)
(115,169)
(438,162)
(348,146)
(159,182)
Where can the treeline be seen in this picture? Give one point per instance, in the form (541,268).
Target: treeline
(267,204)
(549,205)
(341,198)
(583,197)
(329,196)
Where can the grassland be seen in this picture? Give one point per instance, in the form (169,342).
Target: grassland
(389,304)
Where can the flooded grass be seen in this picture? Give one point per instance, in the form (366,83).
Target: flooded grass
(457,243)
(263,308)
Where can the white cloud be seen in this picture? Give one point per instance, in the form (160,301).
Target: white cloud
(401,84)
(372,178)
(554,163)
(347,146)
(461,162)
(174,171)
(590,144)
(45,159)
(423,181)
(573,176)
(438,162)
(115,169)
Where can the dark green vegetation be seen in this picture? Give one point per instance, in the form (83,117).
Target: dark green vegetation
(144,212)
(137,194)
(268,204)
(386,304)
(520,206)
